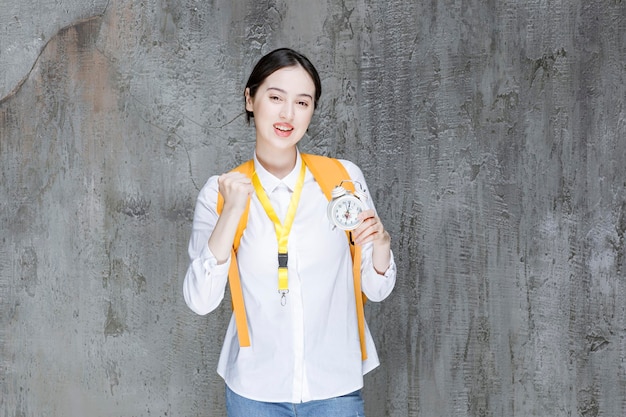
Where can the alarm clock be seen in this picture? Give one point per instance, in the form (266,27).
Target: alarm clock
(345,206)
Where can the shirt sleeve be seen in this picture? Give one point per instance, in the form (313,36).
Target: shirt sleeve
(205,280)
(376,286)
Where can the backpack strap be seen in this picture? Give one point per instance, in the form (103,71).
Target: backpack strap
(234,281)
(328,172)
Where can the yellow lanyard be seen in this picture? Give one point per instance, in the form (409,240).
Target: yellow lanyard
(282,230)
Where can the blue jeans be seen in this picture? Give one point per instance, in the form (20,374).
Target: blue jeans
(350,405)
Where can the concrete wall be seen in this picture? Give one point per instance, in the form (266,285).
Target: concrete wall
(491,132)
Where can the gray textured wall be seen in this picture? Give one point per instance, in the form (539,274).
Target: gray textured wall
(492,134)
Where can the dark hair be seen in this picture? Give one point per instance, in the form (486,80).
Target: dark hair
(278,59)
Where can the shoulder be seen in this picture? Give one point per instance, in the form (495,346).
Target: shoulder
(353,169)
(348,164)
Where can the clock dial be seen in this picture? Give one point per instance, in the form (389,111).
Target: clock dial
(345,213)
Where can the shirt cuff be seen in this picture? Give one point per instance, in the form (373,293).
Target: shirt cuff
(391,269)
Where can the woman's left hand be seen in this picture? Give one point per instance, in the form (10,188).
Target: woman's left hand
(371,230)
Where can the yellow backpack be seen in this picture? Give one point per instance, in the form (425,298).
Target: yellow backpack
(328,172)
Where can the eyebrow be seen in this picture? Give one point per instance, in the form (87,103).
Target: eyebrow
(284,92)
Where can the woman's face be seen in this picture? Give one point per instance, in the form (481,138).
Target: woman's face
(283,106)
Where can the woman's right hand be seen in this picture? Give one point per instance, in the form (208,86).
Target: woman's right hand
(236,189)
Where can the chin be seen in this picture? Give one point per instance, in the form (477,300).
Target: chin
(288,141)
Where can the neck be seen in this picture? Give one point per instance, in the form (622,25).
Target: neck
(279,164)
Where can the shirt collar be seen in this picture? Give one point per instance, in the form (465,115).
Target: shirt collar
(270,182)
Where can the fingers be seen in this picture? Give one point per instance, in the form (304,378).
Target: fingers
(230,180)
(370,230)
(235,188)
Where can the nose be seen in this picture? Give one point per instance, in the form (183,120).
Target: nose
(287,112)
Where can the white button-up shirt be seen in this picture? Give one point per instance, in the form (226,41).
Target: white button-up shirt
(309,348)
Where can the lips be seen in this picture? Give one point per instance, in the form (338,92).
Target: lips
(283,129)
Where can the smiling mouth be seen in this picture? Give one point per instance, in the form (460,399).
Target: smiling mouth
(283,128)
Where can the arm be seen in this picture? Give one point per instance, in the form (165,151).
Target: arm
(378,269)
(236,189)
(376,286)
(372,230)
(210,244)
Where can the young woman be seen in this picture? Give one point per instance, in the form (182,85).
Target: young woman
(305,355)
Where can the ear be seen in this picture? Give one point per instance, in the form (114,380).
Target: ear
(249,100)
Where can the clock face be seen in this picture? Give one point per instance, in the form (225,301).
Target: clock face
(344,211)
